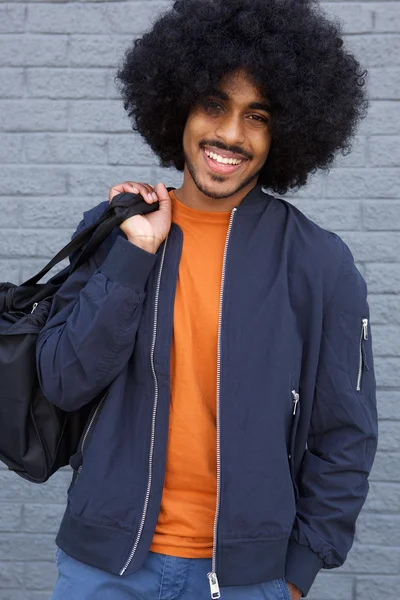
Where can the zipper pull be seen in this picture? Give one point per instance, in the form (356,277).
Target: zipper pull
(365,328)
(214,587)
(34,307)
(296,399)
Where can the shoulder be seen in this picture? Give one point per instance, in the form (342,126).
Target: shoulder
(323,254)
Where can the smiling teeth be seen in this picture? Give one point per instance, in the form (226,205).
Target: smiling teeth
(222,160)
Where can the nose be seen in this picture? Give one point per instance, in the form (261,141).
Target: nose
(230,130)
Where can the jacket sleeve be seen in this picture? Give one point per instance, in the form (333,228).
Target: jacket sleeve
(342,440)
(90,332)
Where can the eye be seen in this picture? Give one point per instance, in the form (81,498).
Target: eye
(212,107)
(259,119)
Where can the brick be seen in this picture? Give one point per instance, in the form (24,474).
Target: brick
(23,595)
(314,188)
(33,115)
(16,243)
(387,17)
(382,530)
(9,212)
(389,404)
(357,156)
(385,308)
(371,588)
(383,498)
(66,83)
(32,180)
(332,215)
(66,148)
(364,183)
(10,148)
(389,434)
(26,546)
(12,84)
(10,271)
(355,17)
(383,278)
(53,491)
(10,517)
(386,340)
(54,213)
(382,215)
(99,116)
(42,518)
(40,575)
(376,50)
(97,50)
(384,118)
(371,559)
(384,151)
(93,18)
(12,18)
(97,181)
(384,84)
(130,149)
(31,50)
(387,371)
(11,575)
(373,246)
(386,467)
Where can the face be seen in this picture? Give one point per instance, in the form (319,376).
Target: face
(227,137)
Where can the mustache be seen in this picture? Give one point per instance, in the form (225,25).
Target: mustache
(220,146)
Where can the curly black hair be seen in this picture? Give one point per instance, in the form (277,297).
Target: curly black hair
(293,52)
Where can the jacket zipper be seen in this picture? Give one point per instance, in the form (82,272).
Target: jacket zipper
(364,336)
(212,576)
(296,400)
(89,428)
(153,427)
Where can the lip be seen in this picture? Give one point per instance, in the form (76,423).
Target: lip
(219,167)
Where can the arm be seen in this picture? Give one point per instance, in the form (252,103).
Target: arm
(90,332)
(342,441)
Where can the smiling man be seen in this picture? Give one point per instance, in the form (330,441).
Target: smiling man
(226,334)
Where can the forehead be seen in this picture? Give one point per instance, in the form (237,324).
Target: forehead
(240,86)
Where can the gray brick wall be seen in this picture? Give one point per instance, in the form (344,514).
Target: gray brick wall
(64,140)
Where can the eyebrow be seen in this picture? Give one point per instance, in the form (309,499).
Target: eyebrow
(254,105)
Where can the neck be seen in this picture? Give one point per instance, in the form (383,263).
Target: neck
(190,195)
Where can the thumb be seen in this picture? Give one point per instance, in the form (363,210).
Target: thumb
(163,196)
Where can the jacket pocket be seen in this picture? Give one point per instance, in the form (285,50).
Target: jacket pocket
(76,461)
(362,362)
(292,441)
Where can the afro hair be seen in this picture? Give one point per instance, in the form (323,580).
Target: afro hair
(294,54)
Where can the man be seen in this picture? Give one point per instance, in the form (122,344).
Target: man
(226,335)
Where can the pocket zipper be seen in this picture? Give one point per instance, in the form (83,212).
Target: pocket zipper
(364,336)
(89,428)
(296,399)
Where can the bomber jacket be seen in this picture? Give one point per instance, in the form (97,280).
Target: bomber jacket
(296,405)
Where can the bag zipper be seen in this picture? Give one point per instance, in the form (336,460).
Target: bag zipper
(153,427)
(212,576)
(364,336)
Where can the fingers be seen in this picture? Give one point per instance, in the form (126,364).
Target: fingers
(144,189)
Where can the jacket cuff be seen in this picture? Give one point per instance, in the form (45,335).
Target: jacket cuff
(302,566)
(128,264)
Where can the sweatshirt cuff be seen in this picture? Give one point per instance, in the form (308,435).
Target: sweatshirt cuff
(302,566)
(128,264)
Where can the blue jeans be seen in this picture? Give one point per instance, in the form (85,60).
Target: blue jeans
(161,577)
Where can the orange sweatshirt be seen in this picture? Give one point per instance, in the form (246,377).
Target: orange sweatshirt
(186,520)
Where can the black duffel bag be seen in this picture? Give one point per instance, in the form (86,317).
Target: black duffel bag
(36,437)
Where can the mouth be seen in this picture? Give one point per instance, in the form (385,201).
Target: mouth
(222,164)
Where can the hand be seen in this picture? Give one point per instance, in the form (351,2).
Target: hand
(146,231)
(294,591)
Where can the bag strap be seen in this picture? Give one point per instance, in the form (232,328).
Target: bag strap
(122,207)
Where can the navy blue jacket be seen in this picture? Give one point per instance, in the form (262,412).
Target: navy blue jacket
(296,408)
